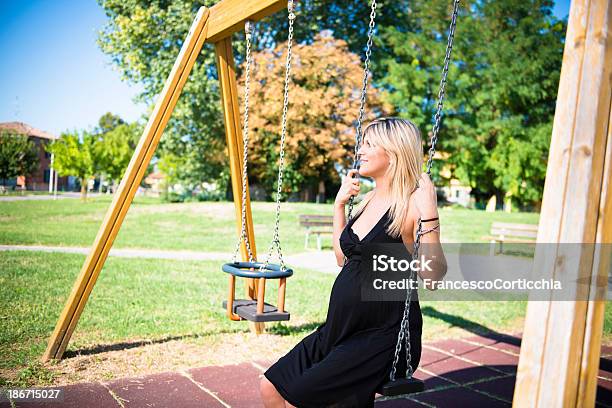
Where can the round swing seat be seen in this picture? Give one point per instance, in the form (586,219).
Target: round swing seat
(251,270)
(402,386)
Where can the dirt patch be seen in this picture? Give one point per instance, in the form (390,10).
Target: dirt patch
(175,355)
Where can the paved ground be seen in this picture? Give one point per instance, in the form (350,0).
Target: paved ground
(472,372)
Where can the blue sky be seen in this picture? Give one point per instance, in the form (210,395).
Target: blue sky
(54,77)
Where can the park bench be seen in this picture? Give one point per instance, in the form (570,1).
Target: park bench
(513,233)
(318,225)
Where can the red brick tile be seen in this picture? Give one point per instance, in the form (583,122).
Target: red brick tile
(162,390)
(76,396)
(501,387)
(488,357)
(431,381)
(237,385)
(461,371)
(455,346)
(488,339)
(429,356)
(399,403)
(459,397)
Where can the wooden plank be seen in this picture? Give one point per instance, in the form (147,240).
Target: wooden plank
(228,16)
(596,305)
(530,360)
(233,134)
(127,188)
(591,351)
(554,335)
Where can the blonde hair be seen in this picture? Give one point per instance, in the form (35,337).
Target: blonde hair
(401,140)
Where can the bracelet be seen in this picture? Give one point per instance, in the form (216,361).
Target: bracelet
(430,230)
(431,219)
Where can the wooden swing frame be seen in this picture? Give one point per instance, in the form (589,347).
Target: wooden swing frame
(560,350)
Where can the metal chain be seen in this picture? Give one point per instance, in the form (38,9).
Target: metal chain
(281,162)
(248,26)
(404,332)
(364,88)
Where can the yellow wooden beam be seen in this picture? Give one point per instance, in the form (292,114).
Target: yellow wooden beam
(127,189)
(228,16)
(561,338)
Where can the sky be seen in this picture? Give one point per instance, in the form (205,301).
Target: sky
(53,75)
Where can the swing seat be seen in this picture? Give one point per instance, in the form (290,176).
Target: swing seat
(251,270)
(247,310)
(402,386)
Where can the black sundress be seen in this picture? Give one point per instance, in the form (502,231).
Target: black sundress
(346,359)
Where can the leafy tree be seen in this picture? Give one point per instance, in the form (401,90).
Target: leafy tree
(501,91)
(132,38)
(108,122)
(76,155)
(324,103)
(18,155)
(115,149)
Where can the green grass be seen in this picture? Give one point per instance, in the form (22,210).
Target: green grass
(205,226)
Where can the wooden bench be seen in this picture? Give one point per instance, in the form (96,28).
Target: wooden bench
(514,233)
(316,224)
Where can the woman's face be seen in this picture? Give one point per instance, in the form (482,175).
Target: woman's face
(374,159)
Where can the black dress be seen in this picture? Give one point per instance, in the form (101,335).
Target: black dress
(345,360)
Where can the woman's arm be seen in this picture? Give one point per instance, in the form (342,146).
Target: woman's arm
(339,224)
(350,187)
(430,247)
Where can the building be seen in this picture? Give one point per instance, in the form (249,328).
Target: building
(40,178)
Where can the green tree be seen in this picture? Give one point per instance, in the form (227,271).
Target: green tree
(114,150)
(76,155)
(501,92)
(108,122)
(18,156)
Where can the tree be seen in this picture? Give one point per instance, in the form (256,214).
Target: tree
(143,39)
(18,156)
(501,92)
(108,122)
(76,155)
(114,150)
(324,104)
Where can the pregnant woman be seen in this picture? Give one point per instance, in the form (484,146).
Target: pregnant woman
(346,359)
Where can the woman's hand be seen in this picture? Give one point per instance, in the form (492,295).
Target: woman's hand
(425,198)
(350,187)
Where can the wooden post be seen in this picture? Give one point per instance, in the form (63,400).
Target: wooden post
(231,115)
(127,189)
(561,341)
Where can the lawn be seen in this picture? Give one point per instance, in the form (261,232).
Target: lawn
(204,226)
(157,315)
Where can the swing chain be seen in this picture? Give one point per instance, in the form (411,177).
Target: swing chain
(248,28)
(281,162)
(404,333)
(364,88)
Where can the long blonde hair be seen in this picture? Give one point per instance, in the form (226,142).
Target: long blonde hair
(401,140)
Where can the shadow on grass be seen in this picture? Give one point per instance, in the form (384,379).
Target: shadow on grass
(126,345)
